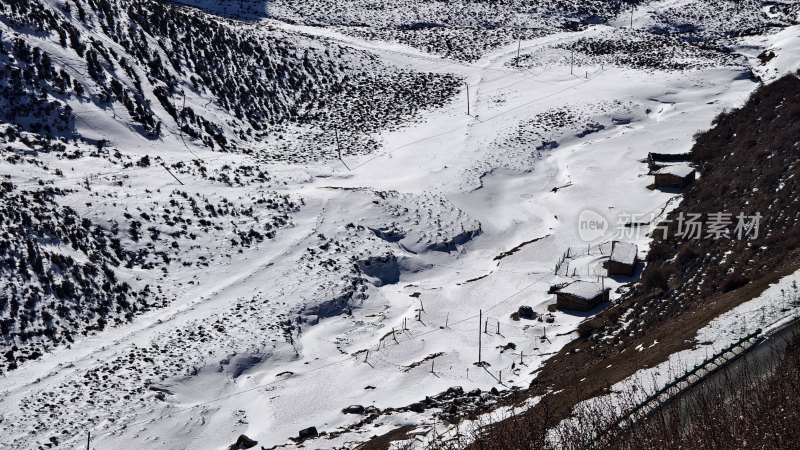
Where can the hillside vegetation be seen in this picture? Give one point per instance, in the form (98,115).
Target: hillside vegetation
(150,56)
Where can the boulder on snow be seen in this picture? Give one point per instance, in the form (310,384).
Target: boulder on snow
(455,390)
(526,312)
(354,409)
(309,432)
(242,443)
(417,407)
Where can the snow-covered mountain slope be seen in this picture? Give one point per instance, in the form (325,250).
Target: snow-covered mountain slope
(176,274)
(463,30)
(466,30)
(167,69)
(77,73)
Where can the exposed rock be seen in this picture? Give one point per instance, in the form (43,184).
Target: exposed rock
(547,145)
(455,391)
(382,269)
(417,407)
(452,244)
(309,432)
(242,443)
(526,312)
(354,409)
(389,234)
(509,346)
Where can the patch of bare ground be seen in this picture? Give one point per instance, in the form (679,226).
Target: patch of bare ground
(384,441)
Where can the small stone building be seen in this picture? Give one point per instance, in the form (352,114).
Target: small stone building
(623,258)
(581,296)
(677,176)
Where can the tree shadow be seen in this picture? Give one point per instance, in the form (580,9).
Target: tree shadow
(244,10)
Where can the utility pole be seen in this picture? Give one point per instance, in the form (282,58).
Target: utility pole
(89,440)
(571,64)
(480,319)
(519,47)
(339,148)
(467,97)
(631,17)
(180,114)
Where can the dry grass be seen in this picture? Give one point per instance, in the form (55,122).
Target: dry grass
(748,410)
